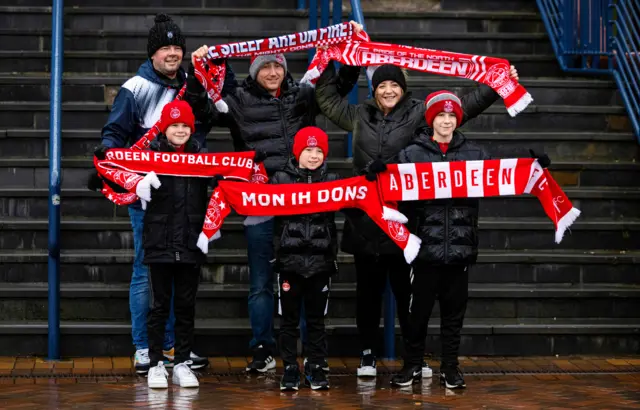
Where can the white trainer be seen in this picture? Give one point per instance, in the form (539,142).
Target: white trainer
(426,370)
(157,378)
(183,376)
(141,361)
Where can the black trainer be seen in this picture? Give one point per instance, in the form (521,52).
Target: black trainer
(324,365)
(407,376)
(291,378)
(452,378)
(367,366)
(262,360)
(315,377)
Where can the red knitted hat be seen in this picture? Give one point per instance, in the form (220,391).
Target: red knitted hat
(310,137)
(442,101)
(177,112)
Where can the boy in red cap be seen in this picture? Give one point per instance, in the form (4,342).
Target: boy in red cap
(172,223)
(306,257)
(449,232)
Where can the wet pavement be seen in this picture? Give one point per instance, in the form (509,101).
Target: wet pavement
(493,383)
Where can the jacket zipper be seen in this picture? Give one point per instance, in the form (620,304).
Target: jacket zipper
(284,126)
(446,222)
(308,226)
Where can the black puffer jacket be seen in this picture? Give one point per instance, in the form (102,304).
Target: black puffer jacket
(448,227)
(259,121)
(174,217)
(376,136)
(305,244)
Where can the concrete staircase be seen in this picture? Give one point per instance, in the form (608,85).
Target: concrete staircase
(528,296)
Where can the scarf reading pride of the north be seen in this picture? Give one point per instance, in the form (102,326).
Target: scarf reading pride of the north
(346,47)
(401,182)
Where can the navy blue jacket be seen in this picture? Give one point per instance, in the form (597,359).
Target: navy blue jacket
(139,104)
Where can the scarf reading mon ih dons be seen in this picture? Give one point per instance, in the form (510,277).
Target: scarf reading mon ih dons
(349,48)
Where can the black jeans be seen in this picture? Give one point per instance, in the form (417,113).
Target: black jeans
(450,284)
(184,279)
(371,280)
(293,290)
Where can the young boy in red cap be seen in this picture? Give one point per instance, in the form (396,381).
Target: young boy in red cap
(448,229)
(172,223)
(306,257)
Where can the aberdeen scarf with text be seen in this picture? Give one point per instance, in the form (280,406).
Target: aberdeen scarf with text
(346,47)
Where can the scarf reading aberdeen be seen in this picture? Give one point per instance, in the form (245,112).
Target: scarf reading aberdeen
(346,47)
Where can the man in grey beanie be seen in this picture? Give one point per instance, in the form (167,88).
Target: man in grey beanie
(265,112)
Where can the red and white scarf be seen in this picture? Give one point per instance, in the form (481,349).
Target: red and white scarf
(356,50)
(123,166)
(299,199)
(479,179)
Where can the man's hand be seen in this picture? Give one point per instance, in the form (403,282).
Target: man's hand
(199,53)
(513,73)
(357,28)
(543,159)
(101,151)
(374,168)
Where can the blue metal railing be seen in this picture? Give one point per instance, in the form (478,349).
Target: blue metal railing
(599,37)
(55,125)
(356,15)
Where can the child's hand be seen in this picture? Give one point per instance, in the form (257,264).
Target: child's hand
(513,73)
(374,168)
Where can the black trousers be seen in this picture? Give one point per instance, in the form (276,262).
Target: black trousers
(183,278)
(371,280)
(450,284)
(293,290)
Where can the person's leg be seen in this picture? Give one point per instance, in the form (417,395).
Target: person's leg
(161,283)
(399,279)
(260,254)
(139,302)
(169,335)
(370,283)
(453,292)
(290,288)
(316,300)
(186,278)
(424,280)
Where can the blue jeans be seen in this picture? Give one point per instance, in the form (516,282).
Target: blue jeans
(139,302)
(260,253)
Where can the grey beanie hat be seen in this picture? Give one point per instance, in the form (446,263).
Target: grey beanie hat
(258,61)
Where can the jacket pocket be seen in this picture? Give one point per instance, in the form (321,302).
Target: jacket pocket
(155,232)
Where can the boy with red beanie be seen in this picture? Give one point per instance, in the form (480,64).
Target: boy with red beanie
(306,258)
(172,223)
(448,229)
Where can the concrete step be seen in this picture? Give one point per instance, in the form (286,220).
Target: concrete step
(155,4)
(101,302)
(226,266)
(125,40)
(495,233)
(594,203)
(239,17)
(34,173)
(489,5)
(129,61)
(102,89)
(87,115)
(560,146)
(218,337)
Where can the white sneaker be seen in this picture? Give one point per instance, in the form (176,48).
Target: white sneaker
(367,366)
(141,361)
(157,378)
(183,376)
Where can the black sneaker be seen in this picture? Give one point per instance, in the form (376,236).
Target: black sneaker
(262,360)
(367,366)
(291,378)
(407,376)
(315,377)
(324,365)
(452,378)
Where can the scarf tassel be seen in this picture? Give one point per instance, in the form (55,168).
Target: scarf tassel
(412,248)
(565,222)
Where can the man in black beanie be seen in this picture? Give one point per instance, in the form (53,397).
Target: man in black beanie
(135,110)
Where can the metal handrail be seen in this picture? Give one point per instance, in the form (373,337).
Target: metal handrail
(599,37)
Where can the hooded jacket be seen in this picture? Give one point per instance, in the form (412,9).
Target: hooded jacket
(448,228)
(305,244)
(174,217)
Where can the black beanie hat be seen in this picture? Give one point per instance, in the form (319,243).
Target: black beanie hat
(388,72)
(164,33)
